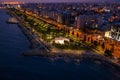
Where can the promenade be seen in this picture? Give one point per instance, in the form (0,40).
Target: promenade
(35,40)
(39,48)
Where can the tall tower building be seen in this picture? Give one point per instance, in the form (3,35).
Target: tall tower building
(86,20)
(114,32)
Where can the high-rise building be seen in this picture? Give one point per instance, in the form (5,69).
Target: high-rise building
(65,18)
(59,19)
(114,32)
(86,20)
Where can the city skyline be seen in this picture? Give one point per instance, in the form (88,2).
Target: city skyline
(61,0)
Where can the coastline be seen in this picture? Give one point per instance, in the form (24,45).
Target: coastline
(28,34)
(25,30)
(87,55)
(37,51)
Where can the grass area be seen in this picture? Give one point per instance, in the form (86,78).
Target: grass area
(47,31)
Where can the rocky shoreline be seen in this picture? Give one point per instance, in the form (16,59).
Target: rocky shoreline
(97,59)
(28,34)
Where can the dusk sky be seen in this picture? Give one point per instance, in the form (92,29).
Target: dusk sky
(59,0)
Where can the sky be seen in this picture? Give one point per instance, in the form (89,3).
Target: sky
(61,0)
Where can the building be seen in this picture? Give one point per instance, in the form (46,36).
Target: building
(107,34)
(86,20)
(114,32)
(65,18)
(61,40)
(12,3)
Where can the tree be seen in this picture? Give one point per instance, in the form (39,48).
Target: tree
(108,53)
(25,17)
(103,46)
(95,43)
(112,48)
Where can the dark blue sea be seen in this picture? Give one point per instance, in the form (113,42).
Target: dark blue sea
(14,66)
